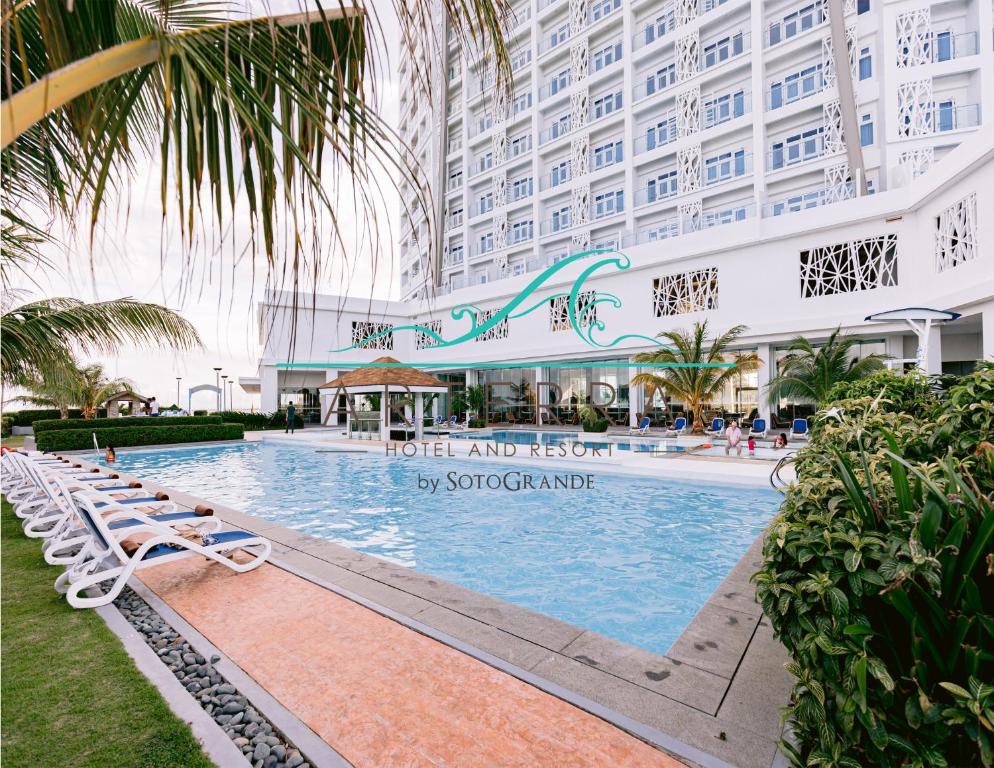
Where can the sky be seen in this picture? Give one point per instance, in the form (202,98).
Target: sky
(213,284)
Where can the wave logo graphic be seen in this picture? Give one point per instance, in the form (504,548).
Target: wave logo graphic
(583,317)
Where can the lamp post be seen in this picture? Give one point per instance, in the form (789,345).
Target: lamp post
(217,385)
(231,395)
(224,384)
(178,380)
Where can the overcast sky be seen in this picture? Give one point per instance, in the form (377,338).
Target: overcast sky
(218,292)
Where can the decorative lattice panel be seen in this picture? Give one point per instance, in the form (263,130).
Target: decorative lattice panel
(688,53)
(686,11)
(852,44)
(858,265)
(500,230)
(688,177)
(579,207)
(956,234)
(577,16)
(579,58)
(834,137)
(914,108)
(501,105)
(580,241)
(914,37)
(499,183)
(499,147)
(579,109)
(837,183)
(691,216)
(917,161)
(579,155)
(586,311)
(849,7)
(423,340)
(498,331)
(362,331)
(683,292)
(500,261)
(827,61)
(688,112)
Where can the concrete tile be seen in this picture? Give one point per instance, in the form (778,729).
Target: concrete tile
(669,677)
(761,685)
(723,739)
(715,640)
(504,646)
(336,553)
(736,590)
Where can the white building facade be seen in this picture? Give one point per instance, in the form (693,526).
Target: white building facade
(745,178)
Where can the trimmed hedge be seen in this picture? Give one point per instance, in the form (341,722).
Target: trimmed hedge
(122,437)
(124,422)
(5,426)
(27,417)
(275,420)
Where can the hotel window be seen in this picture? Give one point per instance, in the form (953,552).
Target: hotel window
(797,22)
(560,219)
(799,202)
(520,145)
(945,115)
(865,64)
(663,24)
(522,102)
(606,56)
(796,86)
(484,122)
(486,242)
(866,131)
(560,127)
(456,254)
(943,46)
(608,154)
(609,203)
(522,188)
(661,133)
(723,108)
(486,202)
(727,216)
(605,105)
(661,187)
(521,59)
(522,231)
(798,148)
(725,165)
(559,82)
(722,50)
(862,6)
(559,173)
(602,8)
(662,78)
(485,163)
(559,36)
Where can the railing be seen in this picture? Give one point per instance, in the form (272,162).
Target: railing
(951,118)
(478,209)
(726,169)
(522,192)
(455,145)
(787,92)
(651,82)
(601,9)
(654,30)
(717,109)
(455,220)
(777,482)
(737,45)
(543,4)
(480,125)
(555,86)
(553,41)
(516,148)
(652,136)
(475,249)
(945,46)
(550,180)
(797,152)
(554,131)
(554,226)
(619,56)
(655,193)
(453,184)
(795,23)
(521,60)
(727,215)
(520,235)
(453,260)
(811,198)
(481,165)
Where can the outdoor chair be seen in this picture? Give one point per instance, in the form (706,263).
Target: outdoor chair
(758,428)
(679,427)
(717,428)
(642,428)
(799,429)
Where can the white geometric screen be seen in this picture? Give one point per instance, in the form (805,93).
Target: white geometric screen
(362,330)
(686,11)
(859,265)
(914,34)
(499,182)
(691,215)
(579,109)
(577,16)
(695,291)
(499,331)
(500,230)
(579,212)
(914,108)
(956,234)
(579,155)
(832,117)
(579,56)
(422,340)
(687,55)
(498,147)
(581,241)
(917,160)
(688,112)
(688,177)
(586,311)
(837,183)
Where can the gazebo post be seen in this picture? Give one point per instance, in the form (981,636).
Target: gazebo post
(419,416)
(385,414)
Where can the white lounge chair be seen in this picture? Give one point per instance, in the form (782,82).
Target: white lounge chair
(679,427)
(758,428)
(104,559)
(717,428)
(799,429)
(642,428)
(40,478)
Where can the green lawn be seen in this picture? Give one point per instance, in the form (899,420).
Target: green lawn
(71,696)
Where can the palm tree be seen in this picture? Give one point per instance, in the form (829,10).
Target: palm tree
(39,338)
(85,387)
(807,373)
(240,114)
(694,366)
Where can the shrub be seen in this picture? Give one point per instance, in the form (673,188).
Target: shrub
(911,393)
(477,423)
(27,417)
(47,425)
(120,437)
(6,424)
(275,420)
(596,425)
(200,413)
(876,578)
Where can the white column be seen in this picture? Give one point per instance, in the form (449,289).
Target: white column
(763,376)
(987,331)
(636,399)
(385,414)
(419,415)
(930,359)
(269,388)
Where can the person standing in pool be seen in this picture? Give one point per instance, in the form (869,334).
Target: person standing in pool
(291,417)
(734,435)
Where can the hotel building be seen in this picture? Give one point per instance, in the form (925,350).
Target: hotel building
(790,166)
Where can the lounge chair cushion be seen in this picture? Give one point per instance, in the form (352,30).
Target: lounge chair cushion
(225,537)
(128,522)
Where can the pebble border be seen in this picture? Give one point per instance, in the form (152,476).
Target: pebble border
(261,744)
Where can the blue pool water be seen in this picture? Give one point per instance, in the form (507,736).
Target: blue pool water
(520,437)
(633,558)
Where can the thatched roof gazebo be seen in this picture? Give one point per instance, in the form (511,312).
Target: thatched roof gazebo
(384,376)
(113,403)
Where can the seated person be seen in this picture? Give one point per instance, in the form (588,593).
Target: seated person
(734,435)
(781,440)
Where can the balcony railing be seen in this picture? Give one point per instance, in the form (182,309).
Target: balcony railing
(480,209)
(480,125)
(654,30)
(557,179)
(812,198)
(554,131)
(659,133)
(553,41)
(795,23)
(786,92)
(725,169)
(453,221)
(555,86)
(796,152)
(721,48)
(454,183)
(718,108)
(947,117)
(656,193)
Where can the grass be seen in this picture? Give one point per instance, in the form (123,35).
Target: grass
(13,441)
(71,695)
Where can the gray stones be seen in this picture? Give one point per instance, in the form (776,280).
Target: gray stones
(262,746)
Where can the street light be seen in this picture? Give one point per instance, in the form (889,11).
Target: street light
(231,395)
(224,383)
(217,386)
(178,380)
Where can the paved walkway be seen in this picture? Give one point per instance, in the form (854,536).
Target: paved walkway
(379,693)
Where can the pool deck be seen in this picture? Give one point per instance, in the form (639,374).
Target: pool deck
(394,667)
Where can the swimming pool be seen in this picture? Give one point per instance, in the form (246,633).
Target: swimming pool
(633,558)
(521,437)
